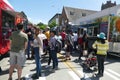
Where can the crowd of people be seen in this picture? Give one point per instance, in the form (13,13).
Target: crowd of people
(35,42)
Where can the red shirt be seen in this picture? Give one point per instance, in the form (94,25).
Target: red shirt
(63,35)
(80,40)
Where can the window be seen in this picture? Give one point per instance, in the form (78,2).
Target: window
(83,14)
(96,30)
(72,13)
(90,31)
(63,21)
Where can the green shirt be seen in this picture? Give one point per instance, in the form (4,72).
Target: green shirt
(18,39)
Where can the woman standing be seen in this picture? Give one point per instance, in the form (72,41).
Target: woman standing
(85,41)
(36,44)
(68,50)
(102,46)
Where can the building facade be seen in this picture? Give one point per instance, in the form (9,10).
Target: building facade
(70,15)
(55,18)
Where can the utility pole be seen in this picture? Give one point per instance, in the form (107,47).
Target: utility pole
(108,32)
(109,21)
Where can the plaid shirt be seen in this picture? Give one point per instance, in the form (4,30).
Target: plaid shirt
(52,43)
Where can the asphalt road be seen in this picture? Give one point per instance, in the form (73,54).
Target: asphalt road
(68,70)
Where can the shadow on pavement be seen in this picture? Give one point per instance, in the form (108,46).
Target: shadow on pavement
(4,72)
(92,78)
(47,71)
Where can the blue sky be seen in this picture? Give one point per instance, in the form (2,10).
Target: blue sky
(44,10)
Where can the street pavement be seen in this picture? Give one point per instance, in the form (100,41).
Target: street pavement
(68,70)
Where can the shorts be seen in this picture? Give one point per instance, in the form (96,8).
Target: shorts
(17,58)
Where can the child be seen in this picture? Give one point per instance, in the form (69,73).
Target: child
(68,50)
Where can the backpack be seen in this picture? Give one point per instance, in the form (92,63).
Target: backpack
(58,46)
(69,38)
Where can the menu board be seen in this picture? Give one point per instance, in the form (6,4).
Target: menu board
(104,27)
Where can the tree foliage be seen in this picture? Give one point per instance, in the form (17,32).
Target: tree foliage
(41,25)
(53,24)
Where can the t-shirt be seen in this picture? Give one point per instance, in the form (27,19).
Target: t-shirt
(30,36)
(75,37)
(63,35)
(47,34)
(18,39)
(52,43)
(69,37)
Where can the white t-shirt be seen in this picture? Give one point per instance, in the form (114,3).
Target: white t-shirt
(75,37)
(35,43)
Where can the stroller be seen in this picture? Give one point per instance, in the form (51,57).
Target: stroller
(90,62)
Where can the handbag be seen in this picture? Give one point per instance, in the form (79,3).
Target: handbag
(85,52)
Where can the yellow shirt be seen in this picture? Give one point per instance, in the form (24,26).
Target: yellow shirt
(47,34)
(101,48)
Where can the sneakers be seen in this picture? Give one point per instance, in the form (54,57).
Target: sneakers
(57,68)
(28,58)
(47,66)
(99,75)
(23,78)
(34,76)
(52,70)
(68,59)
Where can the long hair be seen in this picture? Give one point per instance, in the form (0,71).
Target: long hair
(37,30)
(101,40)
(84,36)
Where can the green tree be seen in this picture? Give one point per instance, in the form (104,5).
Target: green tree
(41,25)
(53,24)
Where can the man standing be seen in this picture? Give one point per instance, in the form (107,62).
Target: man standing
(18,41)
(53,53)
(29,33)
(75,36)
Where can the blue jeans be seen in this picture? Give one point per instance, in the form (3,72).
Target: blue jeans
(28,49)
(75,44)
(53,55)
(37,60)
